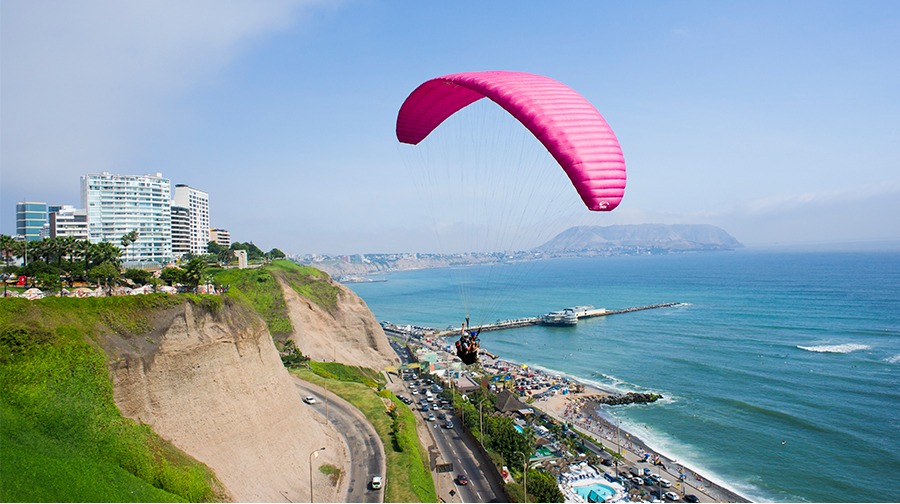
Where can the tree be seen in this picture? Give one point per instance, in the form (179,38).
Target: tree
(172,276)
(138,276)
(83,251)
(275,254)
(129,238)
(104,273)
(105,252)
(7,248)
(542,487)
(253,252)
(193,272)
(222,254)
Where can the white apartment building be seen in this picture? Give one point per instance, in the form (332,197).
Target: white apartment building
(197,203)
(69,221)
(118,204)
(181,231)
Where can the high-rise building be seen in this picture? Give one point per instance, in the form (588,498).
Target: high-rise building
(181,231)
(197,203)
(220,236)
(66,220)
(119,204)
(31,219)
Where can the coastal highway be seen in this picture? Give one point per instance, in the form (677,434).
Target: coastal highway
(363,445)
(449,446)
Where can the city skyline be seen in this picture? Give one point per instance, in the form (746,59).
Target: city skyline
(774,121)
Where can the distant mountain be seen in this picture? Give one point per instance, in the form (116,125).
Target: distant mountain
(667,237)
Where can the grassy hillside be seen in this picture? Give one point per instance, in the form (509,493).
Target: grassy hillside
(261,289)
(61,433)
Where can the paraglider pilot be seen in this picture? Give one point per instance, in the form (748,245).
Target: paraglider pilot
(468,345)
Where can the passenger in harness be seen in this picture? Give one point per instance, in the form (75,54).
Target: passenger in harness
(468,346)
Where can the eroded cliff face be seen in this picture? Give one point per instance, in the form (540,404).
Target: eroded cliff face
(211,381)
(351,336)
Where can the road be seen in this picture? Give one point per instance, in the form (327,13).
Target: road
(363,445)
(450,446)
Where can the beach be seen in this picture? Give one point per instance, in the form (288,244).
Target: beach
(580,408)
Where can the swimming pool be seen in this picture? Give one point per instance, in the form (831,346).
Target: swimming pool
(595,492)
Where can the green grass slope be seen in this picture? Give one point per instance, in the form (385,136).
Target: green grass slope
(62,438)
(261,289)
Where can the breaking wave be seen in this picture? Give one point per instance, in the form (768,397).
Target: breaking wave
(894,360)
(843,348)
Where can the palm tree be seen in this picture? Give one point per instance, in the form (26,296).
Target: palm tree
(105,252)
(7,247)
(129,238)
(83,249)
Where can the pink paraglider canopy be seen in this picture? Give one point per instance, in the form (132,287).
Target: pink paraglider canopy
(571,129)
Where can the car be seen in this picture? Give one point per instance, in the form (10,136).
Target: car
(376,482)
(654,478)
(424,408)
(647,472)
(442,416)
(672,496)
(654,494)
(665,483)
(461,479)
(430,417)
(607,462)
(691,498)
(309,399)
(649,482)
(637,481)
(448,424)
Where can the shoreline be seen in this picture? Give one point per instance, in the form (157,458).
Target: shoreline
(585,414)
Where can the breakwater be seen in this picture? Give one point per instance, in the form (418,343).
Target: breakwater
(408,330)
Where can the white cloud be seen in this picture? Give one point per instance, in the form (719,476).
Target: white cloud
(84,82)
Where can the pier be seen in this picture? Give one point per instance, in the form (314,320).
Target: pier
(582,312)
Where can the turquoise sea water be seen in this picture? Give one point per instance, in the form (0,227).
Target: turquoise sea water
(780,372)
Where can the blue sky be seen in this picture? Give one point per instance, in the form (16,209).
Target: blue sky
(777,121)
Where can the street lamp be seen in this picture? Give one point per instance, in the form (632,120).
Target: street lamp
(5,277)
(524,475)
(316,453)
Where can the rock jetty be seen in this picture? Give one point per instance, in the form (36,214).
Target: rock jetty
(629,398)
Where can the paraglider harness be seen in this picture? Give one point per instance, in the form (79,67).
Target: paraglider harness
(467,346)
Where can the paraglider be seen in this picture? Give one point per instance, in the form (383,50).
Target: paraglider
(571,129)
(564,122)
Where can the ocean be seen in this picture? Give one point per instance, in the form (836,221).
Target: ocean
(779,371)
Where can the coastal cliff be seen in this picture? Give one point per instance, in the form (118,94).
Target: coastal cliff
(349,335)
(160,397)
(211,382)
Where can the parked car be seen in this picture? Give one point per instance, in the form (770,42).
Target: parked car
(376,482)
(309,399)
(672,496)
(461,479)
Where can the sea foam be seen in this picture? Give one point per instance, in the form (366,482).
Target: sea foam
(894,360)
(843,348)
